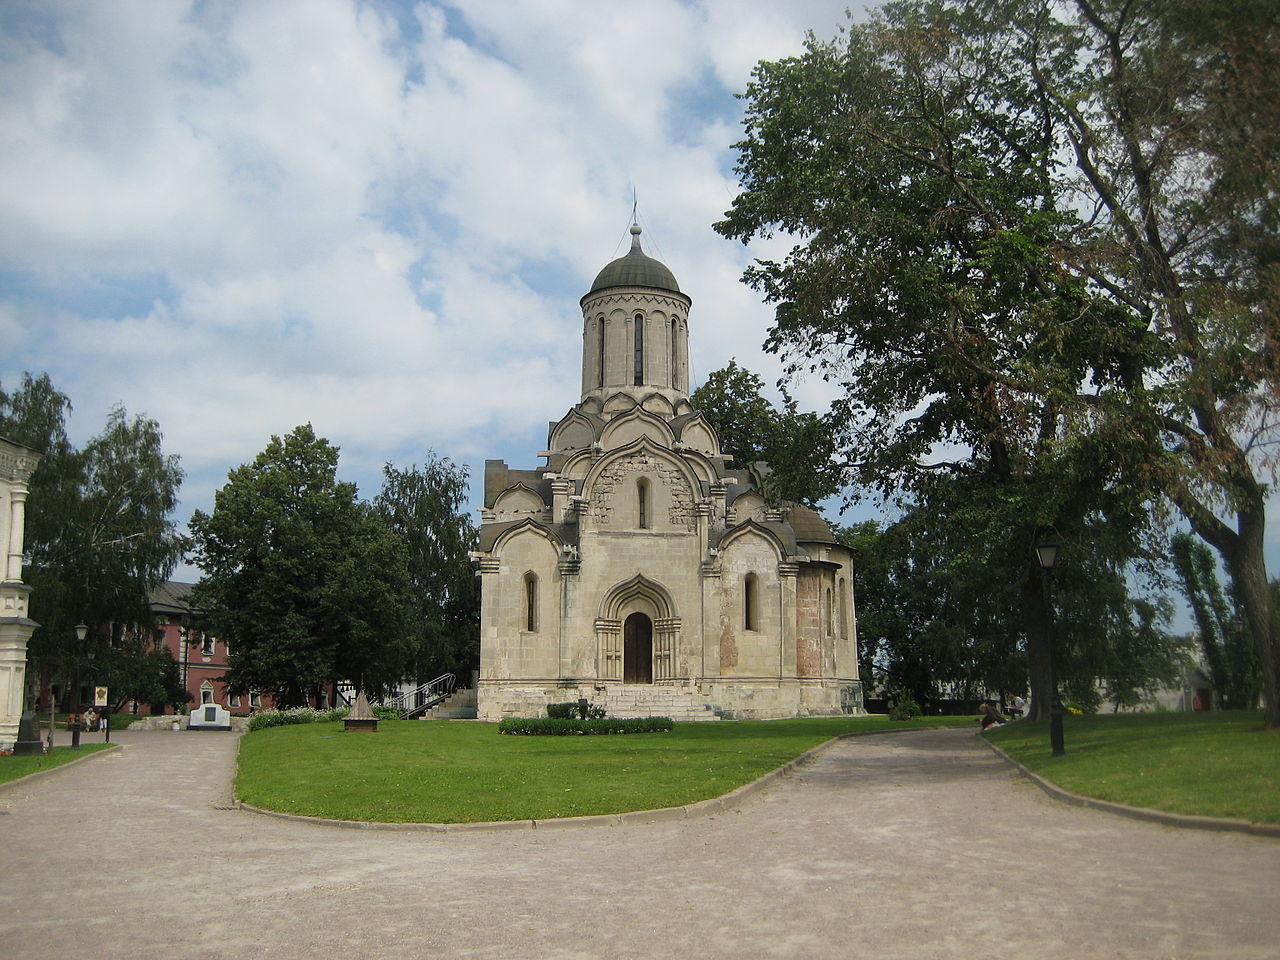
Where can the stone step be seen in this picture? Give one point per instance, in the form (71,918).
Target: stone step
(463,705)
(645,701)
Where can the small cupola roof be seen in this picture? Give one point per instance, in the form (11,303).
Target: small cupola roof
(636,270)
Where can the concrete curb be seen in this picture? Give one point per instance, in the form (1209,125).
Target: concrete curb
(1186,821)
(60,767)
(701,808)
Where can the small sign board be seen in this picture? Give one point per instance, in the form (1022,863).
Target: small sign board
(99,696)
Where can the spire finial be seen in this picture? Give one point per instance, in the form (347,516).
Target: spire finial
(635,221)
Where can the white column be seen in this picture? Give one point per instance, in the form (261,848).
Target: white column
(17,512)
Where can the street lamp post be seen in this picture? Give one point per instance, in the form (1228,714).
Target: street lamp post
(1047,554)
(82,631)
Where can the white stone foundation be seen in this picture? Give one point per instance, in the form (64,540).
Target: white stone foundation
(682,700)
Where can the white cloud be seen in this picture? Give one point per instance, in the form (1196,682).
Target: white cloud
(377,217)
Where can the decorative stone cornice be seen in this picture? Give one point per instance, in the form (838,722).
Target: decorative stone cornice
(636,295)
(17,463)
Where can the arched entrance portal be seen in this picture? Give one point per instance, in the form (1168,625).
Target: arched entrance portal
(637,649)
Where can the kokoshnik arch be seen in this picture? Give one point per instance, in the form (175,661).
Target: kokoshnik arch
(637,567)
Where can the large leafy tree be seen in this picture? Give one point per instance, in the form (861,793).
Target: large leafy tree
(798,447)
(1224,638)
(304,581)
(928,622)
(100,533)
(425,507)
(134,667)
(939,599)
(1042,235)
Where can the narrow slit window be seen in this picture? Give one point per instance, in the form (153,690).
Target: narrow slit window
(642,498)
(600,325)
(844,608)
(827,612)
(531,602)
(639,364)
(750,599)
(675,363)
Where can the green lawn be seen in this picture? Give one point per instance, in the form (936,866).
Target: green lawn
(1217,763)
(410,771)
(11,768)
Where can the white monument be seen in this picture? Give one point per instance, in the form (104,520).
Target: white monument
(209,716)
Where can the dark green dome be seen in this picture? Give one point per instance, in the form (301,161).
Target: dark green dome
(635,270)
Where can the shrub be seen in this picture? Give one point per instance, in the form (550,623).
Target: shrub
(564,726)
(281,718)
(386,713)
(572,709)
(906,708)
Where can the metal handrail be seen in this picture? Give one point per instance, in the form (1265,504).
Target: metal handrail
(424,696)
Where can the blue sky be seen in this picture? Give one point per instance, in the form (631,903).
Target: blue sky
(376,217)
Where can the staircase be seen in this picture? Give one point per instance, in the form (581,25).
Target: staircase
(644,700)
(460,706)
(416,702)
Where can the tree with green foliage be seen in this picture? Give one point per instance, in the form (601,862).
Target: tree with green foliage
(305,582)
(425,507)
(930,624)
(134,667)
(1142,657)
(1043,235)
(99,531)
(938,597)
(798,447)
(1224,638)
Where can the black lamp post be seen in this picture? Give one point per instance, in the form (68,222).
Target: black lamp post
(1047,553)
(77,720)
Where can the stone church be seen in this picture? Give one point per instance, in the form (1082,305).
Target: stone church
(640,568)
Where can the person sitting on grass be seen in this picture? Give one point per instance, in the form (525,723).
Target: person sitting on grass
(989,716)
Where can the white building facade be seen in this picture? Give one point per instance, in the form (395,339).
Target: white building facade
(16,466)
(637,568)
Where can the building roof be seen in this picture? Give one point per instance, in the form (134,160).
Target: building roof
(172,597)
(809,525)
(636,270)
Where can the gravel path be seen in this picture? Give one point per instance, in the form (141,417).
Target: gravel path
(917,845)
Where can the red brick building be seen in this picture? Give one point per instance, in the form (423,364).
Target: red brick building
(201,657)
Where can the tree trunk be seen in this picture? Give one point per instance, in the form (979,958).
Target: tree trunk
(1241,552)
(1247,566)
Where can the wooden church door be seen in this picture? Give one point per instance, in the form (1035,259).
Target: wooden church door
(637,649)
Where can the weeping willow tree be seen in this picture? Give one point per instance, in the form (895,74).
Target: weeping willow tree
(1224,637)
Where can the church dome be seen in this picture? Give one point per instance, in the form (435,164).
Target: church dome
(635,270)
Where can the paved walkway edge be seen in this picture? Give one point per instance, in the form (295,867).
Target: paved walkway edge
(702,808)
(1186,821)
(9,785)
